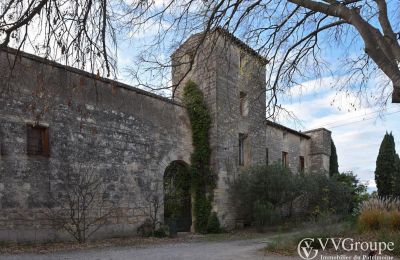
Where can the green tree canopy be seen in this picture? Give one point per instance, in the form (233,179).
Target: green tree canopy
(386,166)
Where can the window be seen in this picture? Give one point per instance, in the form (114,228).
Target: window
(284,135)
(38,140)
(244,107)
(285,159)
(301,163)
(266,156)
(242,138)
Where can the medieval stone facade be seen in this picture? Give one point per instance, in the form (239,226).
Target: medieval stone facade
(130,136)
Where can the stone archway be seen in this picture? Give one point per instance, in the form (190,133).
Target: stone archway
(177,195)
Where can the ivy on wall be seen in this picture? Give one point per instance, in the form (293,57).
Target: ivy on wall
(203,180)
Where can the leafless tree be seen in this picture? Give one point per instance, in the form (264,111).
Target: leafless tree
(79,203)
(292,35)
(151,204)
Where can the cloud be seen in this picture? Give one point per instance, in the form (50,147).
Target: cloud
(356,130)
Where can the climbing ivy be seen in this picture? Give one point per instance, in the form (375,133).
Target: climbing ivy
(203,180)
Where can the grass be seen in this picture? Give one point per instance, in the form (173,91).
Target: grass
(286,244)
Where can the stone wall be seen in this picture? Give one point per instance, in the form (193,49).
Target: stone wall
(320,150)
(295,145)
(225,69)
(128,135)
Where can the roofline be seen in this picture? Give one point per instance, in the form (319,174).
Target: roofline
(87,74)
(290,130)
(318,129)
(231,37)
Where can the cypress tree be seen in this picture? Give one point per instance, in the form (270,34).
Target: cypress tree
(396,188)
(333,163)
(386,166)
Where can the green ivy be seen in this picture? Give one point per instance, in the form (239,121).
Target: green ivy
(203,180)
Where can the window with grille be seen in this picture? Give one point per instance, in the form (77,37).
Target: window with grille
(38,140)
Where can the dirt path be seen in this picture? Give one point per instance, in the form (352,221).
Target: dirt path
(213,250)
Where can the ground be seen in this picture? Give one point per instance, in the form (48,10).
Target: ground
(238,245)
(218,247)
(237,249)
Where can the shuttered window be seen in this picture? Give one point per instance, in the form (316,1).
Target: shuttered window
(38,140)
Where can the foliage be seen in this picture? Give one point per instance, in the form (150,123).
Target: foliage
(265,214)
(79,203)
(380,214)
(333,161)
(358,191)
(396,179)
(272,184)
(146,229)
(386,167)
(326,195)
(213,225)
(262,191)
(203,180)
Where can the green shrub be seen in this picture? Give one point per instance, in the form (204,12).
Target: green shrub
(213,225)
(265,214)
(161,232)
(203,179)
(258,190)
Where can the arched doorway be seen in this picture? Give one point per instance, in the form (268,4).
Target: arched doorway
(177,195)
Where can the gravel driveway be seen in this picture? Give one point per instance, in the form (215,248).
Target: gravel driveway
(210,250)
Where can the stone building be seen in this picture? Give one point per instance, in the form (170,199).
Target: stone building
(54,117)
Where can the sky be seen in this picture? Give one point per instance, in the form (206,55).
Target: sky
(356,134)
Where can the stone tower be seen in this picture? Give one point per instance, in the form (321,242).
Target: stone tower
(232,78)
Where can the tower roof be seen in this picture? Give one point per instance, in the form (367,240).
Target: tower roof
(229,36)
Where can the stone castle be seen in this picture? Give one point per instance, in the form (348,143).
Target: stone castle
(53,117)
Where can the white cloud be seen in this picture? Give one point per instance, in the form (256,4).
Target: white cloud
(357,133)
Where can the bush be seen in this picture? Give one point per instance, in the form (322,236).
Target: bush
(264,194)
(161,232)
(380,214)
(372,219)
(213,225)
(265,214)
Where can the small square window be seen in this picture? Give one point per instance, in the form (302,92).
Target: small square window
(37,140)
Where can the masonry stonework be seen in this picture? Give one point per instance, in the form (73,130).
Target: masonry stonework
(130,136)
